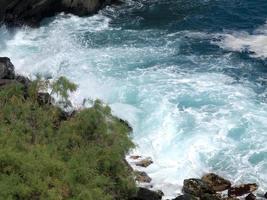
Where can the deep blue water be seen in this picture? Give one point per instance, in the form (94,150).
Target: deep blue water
(190,77)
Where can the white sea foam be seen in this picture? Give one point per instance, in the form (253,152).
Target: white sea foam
(189,122)
(255,43)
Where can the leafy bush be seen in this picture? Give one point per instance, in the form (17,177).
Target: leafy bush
(45,158)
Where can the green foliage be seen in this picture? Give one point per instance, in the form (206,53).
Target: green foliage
(45,158)
(62,87)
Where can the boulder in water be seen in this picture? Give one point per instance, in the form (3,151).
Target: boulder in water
(216,182)
(142,177)
(242,189)
(196,187)
(144,163)
(135,157)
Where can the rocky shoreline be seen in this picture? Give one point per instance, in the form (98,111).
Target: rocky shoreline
(209,187)
(32,12)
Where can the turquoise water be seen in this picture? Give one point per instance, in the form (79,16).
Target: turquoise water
(190,77)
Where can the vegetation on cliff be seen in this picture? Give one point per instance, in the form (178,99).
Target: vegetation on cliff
(45,155)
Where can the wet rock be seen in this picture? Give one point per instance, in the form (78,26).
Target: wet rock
(7,70)
(44,98)
(144,163)
(31,12)
(142,177)
(265,195)
(196,187)
(146,194)
(242,189)
(135,157)
(251,197)
(186,197)
(216,182)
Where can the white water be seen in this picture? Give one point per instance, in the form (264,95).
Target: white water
(255,43)
(189,121)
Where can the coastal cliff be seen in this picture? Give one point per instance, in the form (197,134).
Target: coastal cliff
(31,12)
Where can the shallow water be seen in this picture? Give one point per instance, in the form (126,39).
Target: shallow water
(190,77)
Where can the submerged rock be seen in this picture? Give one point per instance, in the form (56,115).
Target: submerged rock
(242,189)
(7,70)
(216,182)
(142,177)
(144,163)
(196,187)
(146,194)
(31,12)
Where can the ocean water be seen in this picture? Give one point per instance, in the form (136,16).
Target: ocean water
(189,76)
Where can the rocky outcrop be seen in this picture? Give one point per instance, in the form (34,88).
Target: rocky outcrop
(251,197)
(216,182)
(31,12)
(212,187)
(142,177)
(196,187)
(7,70)
(144,162)
(242,190)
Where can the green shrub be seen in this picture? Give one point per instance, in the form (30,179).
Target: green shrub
(45,158)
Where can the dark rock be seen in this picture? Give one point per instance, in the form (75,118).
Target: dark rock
(216,182)
(142,177)
(186,197)
(230,198)
(135,157)
(31,12)
(207,196)
(146,194)
(265,195)
(251,197)
(7,70)
(44,98)
(144,163)
(242,189)
(23,80)
(196,187)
